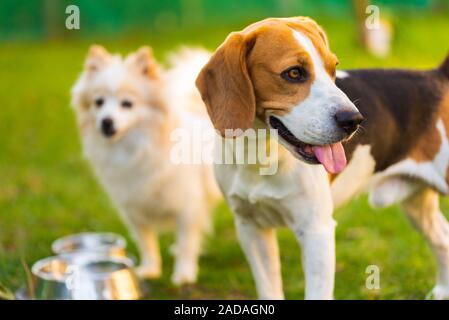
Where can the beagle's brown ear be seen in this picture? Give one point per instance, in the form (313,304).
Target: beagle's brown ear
(226,87)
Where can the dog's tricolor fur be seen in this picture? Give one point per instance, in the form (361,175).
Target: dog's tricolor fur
(247,84)
(126,110)
(402,155)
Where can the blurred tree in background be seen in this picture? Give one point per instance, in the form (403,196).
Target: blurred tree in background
(44,19)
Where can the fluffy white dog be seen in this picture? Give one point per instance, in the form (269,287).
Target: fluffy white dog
(127,109)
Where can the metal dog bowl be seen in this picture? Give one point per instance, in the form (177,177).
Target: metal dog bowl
(106,243)
(50,279)
(85,276)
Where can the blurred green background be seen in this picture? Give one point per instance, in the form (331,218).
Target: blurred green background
(47,190)
(43,19)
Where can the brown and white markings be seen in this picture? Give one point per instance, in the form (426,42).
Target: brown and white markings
(402,154)
(279,73)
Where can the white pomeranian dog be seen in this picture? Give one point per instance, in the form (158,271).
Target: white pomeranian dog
(127,109)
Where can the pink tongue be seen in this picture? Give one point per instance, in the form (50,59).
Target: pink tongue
(332,157)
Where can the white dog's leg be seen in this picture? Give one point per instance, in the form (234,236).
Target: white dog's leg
(261,249)
(187,249)
(150,259)
(424,212)
(147,243)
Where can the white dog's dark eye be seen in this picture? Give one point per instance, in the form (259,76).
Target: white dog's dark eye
(295,74)
(127,104)
(99,102)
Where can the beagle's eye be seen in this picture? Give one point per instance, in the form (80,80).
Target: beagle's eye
(99,102)
(127,104)
(295,74)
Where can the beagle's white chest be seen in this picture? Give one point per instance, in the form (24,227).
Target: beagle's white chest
(256,198)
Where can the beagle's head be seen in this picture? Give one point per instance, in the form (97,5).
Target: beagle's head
(281,71)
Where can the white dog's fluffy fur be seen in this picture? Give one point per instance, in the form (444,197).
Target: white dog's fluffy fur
(130,151)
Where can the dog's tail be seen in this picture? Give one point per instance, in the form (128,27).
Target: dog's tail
(444,67)
(180,89)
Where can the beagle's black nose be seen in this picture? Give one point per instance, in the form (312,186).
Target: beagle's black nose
(348,120)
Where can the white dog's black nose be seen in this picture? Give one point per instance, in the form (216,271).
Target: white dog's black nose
(107,127)
(348,120)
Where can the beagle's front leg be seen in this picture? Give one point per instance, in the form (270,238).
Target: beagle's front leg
(318,258)
(261,249)
(314,229)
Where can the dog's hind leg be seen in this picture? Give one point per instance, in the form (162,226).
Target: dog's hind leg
(262,252)
(423,210)
(391,190)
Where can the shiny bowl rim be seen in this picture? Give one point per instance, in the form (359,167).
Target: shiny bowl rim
(126,261)
(70,259)
(39,264)
(58,245)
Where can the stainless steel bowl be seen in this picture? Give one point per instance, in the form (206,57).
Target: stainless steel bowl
(107,278)
(50,278)
(106,243)
(85,276)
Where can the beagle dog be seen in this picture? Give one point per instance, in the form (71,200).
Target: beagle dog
(280,73)
(402,155)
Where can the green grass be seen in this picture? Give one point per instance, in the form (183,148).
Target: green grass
(47,190)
